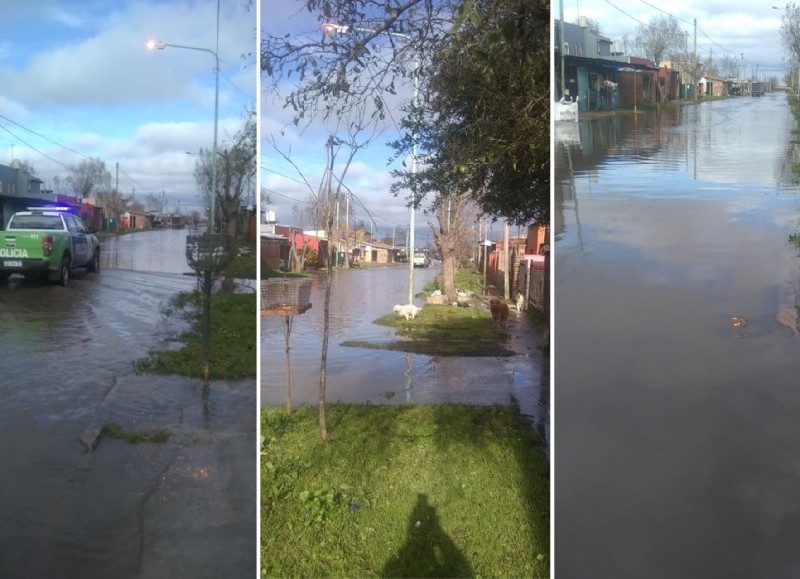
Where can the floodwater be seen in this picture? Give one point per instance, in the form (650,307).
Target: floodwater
(360,375)
(676,350)
(184,508)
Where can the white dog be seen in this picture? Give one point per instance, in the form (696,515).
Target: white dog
(408,311)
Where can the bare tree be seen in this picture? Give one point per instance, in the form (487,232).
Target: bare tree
(790,32)
(156,203)
(661,38)
(26,166)
(236,166)
(114,204)
(323,202)
(729,66)
(89,176)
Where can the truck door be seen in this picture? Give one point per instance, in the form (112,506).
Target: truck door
(80,241)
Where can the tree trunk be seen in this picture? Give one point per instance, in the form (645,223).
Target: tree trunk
(449,275)
(287,329)
(323,371)
(506,282)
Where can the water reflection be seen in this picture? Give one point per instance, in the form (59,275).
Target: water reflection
(667,229)
(379,376)
(66,366)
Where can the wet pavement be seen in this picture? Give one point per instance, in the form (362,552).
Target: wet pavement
(676,353)
(363,375)
(184,508)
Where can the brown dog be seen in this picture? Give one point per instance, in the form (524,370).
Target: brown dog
(499,312)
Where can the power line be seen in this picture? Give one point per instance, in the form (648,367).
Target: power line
(6,129)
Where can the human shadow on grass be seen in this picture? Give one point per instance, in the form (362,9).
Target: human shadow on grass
(428,551)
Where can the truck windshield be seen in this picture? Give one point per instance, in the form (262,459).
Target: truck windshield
(36,222)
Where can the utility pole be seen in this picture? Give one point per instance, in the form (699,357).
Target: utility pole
(694,64)
(561,47)
(506,276)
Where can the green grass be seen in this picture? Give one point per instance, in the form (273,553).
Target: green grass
(441,331)
(114,430)
(267,273)
(404,491)
(242,266)
(232,342)
(444,323)
(464,279)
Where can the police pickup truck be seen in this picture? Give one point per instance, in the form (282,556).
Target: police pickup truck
(47,241)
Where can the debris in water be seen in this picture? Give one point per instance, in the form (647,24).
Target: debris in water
(738,321)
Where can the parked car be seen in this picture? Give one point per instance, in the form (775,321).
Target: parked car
(47,241)
(421,260)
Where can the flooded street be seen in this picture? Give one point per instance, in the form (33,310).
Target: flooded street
(183,508)
(676,350)
(360,296)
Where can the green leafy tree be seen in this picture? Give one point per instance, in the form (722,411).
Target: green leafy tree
(484,129)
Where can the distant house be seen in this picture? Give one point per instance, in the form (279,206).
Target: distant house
(600,76)
(301,239)
(709,86)
(376,252)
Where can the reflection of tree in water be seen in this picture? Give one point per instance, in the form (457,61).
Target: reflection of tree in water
(428,551)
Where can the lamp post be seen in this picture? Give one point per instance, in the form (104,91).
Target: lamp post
(157,44)
(332,28)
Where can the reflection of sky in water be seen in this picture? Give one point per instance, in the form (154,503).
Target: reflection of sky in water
(664,408)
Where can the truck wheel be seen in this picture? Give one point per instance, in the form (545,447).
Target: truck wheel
(94,265)
(63,274)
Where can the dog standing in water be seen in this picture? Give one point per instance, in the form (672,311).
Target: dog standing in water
(499,312)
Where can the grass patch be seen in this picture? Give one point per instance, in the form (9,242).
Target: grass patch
(464,279)
(794,239)
(232,341)
(441,331)
(404,491)
(114,430)
(242,266)
(444,323)
(267,273)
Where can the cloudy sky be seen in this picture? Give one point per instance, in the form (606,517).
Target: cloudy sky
(78,81)
(369,176)
(737,28)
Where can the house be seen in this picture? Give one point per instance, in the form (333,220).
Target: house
(709,86)
(19,190)
(638,82)
(589,59)
(375,252)
(600,76)
(311,242)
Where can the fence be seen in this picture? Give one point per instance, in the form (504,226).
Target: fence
(534,281)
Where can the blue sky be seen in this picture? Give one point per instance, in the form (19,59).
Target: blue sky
(78,72)
(725,27)
(369,176)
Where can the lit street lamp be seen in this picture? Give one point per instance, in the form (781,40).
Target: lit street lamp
(157,44)
(332,28)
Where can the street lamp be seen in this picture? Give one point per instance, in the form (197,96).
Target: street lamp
(332,28)
(157,44)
